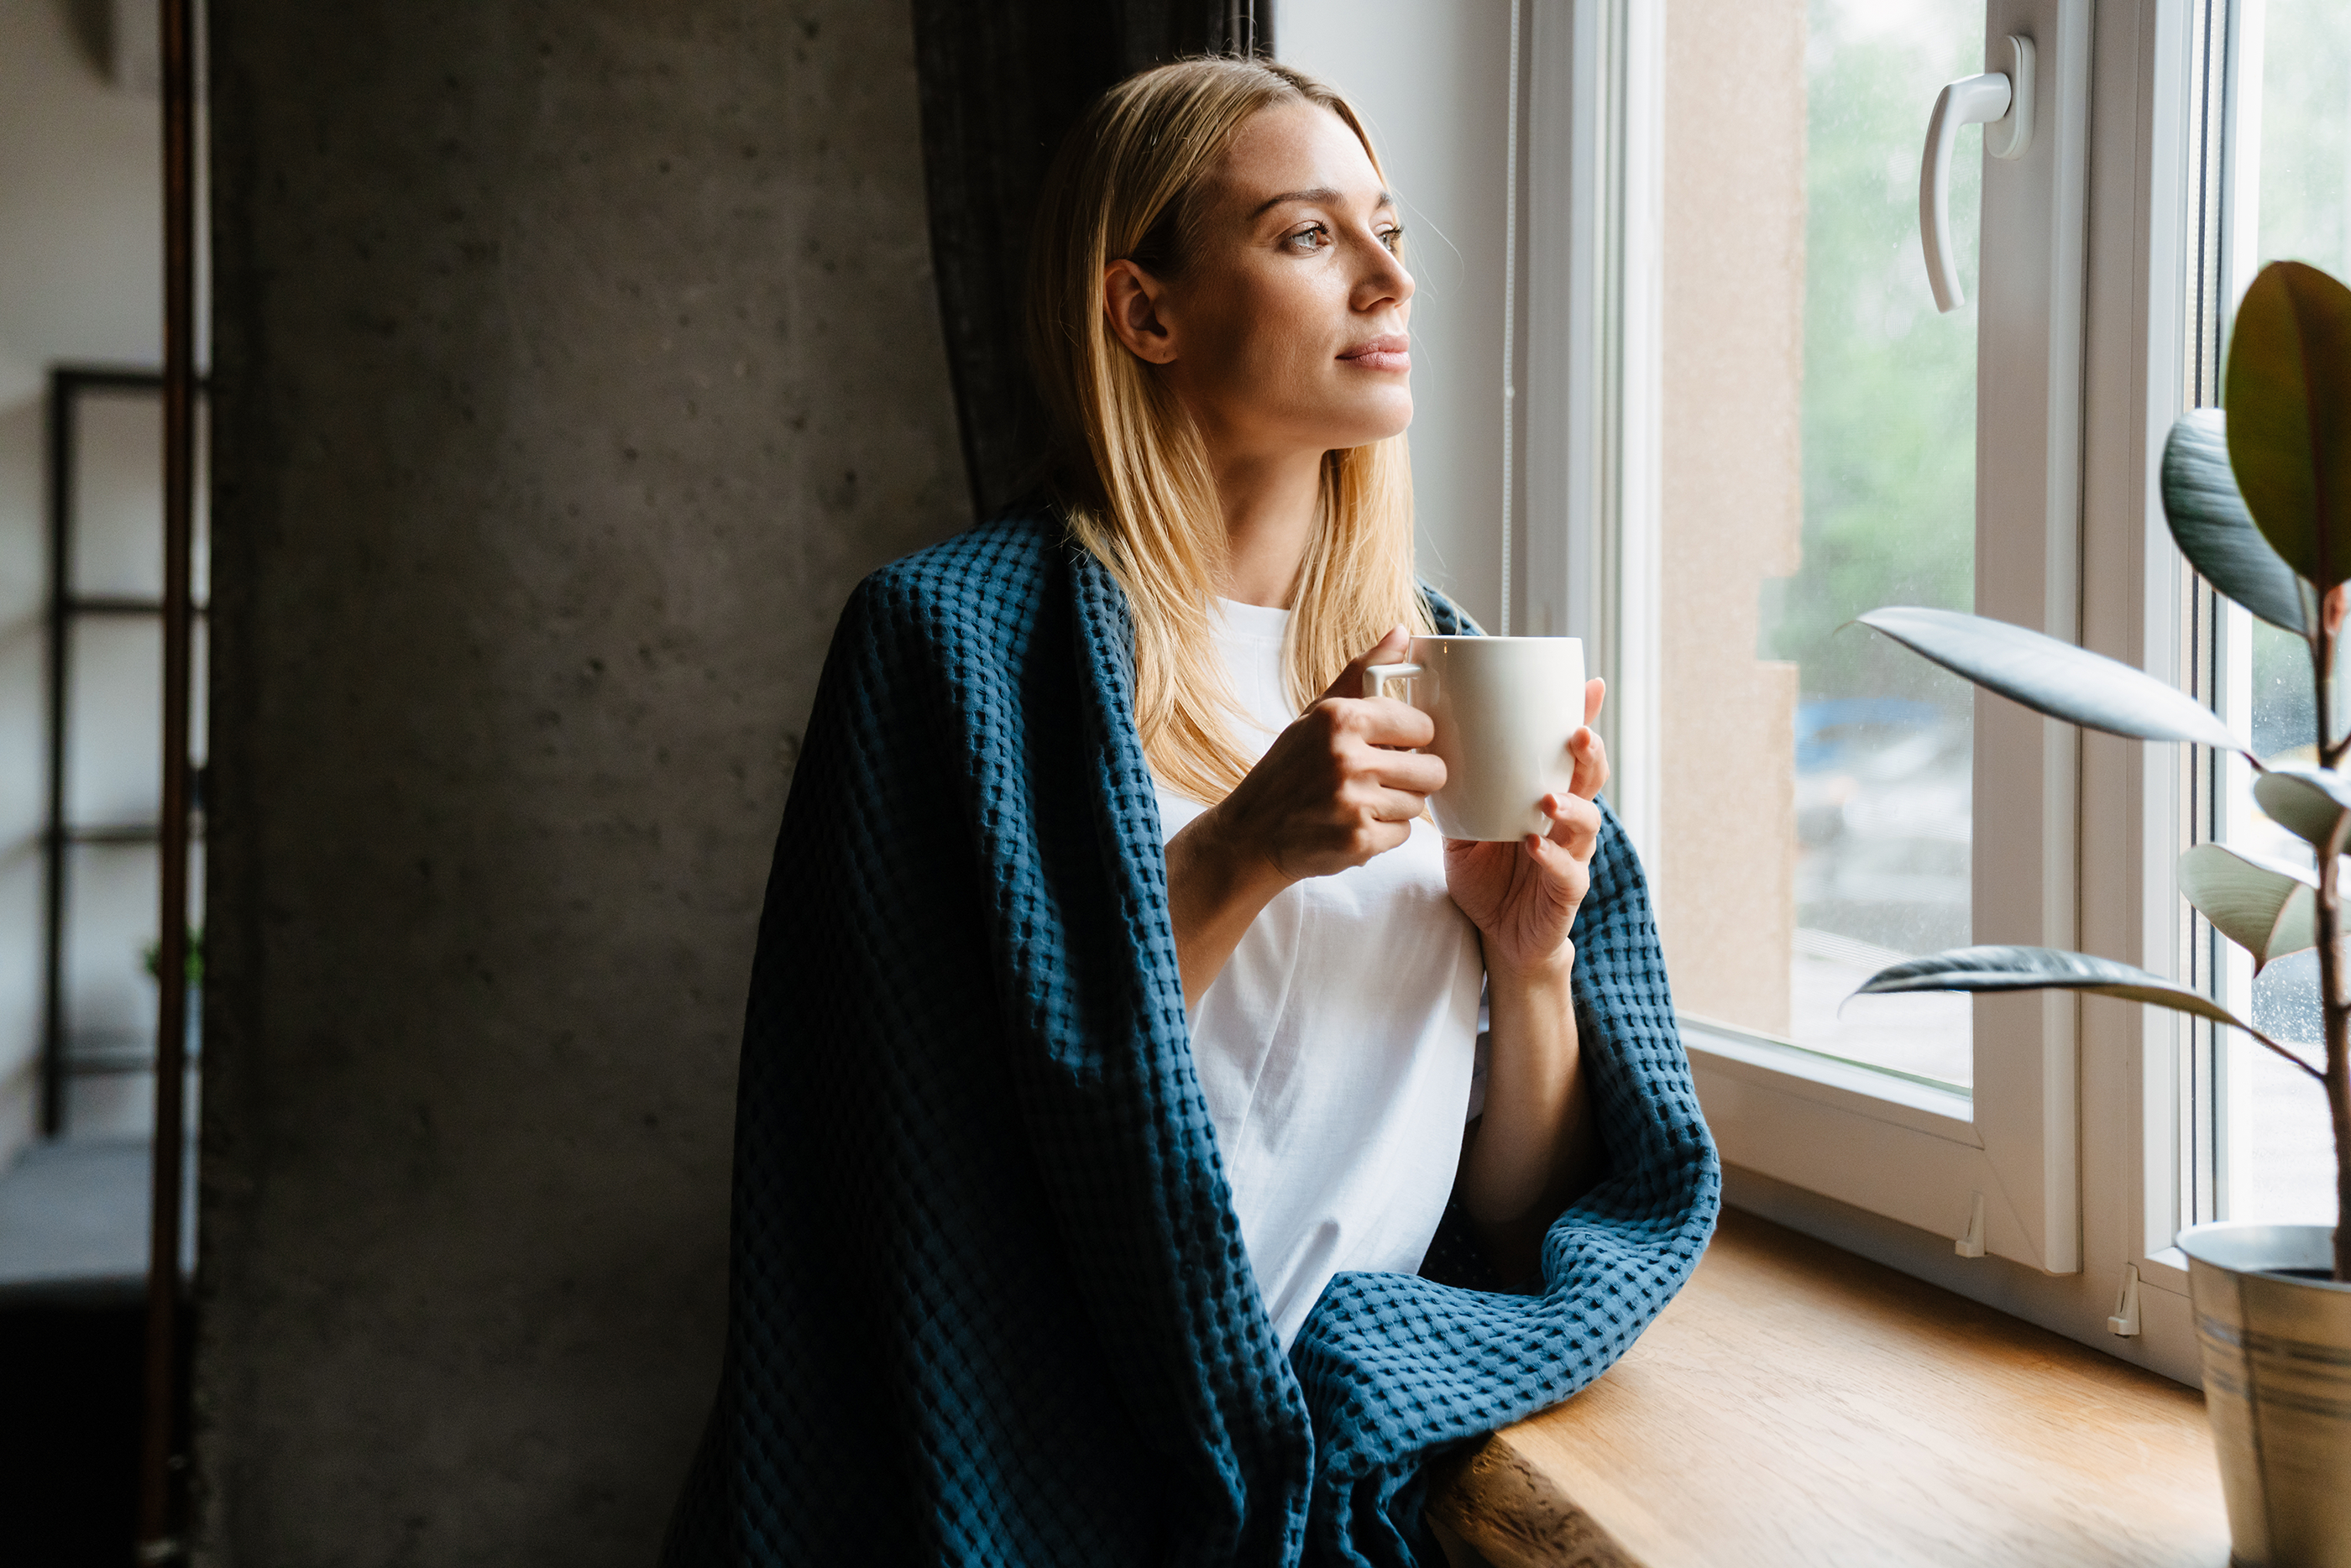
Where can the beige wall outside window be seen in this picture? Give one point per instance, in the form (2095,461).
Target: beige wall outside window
(1731,501)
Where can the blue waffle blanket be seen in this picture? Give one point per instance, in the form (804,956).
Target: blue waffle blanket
(989,1300)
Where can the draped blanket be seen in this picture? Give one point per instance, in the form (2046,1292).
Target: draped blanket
(990,1302)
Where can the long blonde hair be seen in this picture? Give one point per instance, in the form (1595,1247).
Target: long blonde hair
(1131,469)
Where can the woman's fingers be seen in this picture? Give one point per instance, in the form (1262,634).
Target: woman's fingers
(1562,865)
(1389,650)
(1395,805)
(1376,721)
(1385,722)
(1423,772)
(1589,751)
(1574,824)
(1591,756)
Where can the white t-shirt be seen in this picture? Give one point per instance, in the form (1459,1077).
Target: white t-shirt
(1337,1045)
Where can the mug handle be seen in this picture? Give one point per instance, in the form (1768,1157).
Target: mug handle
(1377,676)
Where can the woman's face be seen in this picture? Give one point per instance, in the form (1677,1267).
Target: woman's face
(1286,331)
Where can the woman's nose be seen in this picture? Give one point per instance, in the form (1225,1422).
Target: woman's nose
(1385,279)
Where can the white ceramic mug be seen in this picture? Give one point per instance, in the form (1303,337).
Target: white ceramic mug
(1505,708)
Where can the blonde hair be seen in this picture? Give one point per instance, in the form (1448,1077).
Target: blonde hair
(1131,469)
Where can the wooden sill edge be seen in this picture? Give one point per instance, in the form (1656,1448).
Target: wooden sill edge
(1798,1404)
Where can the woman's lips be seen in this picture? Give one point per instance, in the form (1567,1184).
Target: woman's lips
(1392,352)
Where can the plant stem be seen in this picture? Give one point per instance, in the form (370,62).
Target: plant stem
(2335,1008)
(2338,1059)
(2338,1103)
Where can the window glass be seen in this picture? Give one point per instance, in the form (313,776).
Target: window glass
(1874,758)
(2302,191)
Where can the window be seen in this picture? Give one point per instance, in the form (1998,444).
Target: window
(2087,1132)
(1831,442)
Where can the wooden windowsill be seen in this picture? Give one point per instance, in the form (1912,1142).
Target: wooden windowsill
(1797,1404)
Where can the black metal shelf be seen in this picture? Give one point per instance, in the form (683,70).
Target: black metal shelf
(128,1053)
(120,604)
(65,1052)
(125,833)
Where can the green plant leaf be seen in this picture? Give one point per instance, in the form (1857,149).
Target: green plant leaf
(2263,908)
(2289,397)
(2002,969)
(2212,528)
(2052,677)
(2308,803)
(1999,968)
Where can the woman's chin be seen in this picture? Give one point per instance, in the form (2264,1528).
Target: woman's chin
(1363,424)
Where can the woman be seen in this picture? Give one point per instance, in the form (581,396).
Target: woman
(1084,1185)
(1257,334)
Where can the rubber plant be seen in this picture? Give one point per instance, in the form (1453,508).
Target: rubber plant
(2259,501)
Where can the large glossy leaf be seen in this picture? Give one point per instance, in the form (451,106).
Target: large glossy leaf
(2289,397)
(1999,969)
(2212,528)
(2263,908)
(1996,968)
(2308,803)
(2052,677)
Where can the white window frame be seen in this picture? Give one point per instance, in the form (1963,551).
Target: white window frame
(2238,242)
(2073,1134)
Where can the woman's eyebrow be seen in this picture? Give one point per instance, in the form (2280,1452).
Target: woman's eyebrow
(1320,194)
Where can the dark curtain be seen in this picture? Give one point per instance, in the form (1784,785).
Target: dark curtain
(1002,80)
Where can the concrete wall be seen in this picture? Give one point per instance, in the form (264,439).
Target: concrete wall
(574,361)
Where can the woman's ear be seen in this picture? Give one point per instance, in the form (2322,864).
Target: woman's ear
(1135,302)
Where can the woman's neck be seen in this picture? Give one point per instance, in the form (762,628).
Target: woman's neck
(1269,506)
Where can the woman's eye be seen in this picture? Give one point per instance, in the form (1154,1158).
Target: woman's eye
(1312,238)
(1392,238)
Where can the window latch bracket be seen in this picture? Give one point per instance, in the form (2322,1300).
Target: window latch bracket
(1972,1244)
(2124,1321)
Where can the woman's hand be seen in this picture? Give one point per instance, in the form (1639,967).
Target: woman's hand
(1341,784)
(1522,896)
(1535,1146)
(1337,787)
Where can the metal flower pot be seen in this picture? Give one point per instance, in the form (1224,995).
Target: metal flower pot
(2276,1332)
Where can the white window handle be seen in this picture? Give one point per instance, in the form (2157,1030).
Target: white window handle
(2002,105)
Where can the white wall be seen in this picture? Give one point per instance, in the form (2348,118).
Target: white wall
(1431,79)
(81,280)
